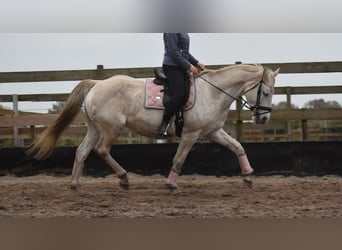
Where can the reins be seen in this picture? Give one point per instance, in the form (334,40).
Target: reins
(241,100)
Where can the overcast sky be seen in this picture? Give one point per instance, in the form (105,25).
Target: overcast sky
(45,35)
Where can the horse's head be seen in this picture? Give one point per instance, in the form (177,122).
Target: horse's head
(259,97)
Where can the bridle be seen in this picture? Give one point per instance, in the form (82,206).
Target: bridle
(257,107)
(254,108)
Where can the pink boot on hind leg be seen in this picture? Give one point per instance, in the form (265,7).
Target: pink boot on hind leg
(246,168)
(171,181)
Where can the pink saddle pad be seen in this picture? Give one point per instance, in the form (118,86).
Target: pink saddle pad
(154,96)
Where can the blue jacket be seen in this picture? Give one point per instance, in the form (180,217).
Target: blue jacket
(177,53)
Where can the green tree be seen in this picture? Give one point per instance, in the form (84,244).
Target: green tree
(56,108)
(321,103)
(283,105)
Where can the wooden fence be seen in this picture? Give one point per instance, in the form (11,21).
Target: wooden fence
(293,123)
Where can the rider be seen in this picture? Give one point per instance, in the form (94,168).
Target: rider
(177,63)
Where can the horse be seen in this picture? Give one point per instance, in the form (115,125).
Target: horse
(118,102)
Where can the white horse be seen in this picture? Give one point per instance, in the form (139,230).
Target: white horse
(118,102)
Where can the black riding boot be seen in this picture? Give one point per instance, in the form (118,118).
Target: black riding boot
(162,130)
(164,125)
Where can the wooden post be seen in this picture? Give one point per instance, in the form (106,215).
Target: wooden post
(99,72)
(288,106)
(15,128)
(304,130)
(32,133)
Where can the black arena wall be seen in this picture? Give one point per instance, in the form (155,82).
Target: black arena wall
(285,158)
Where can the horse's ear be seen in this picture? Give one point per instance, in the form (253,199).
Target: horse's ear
(276,72)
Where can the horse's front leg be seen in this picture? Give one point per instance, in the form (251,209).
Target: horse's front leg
(221,137)
(186,143)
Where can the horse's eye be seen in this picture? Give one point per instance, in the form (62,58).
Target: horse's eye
(265,94)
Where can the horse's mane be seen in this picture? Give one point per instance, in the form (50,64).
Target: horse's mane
(247,67)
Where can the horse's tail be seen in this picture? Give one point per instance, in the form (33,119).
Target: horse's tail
(46,141)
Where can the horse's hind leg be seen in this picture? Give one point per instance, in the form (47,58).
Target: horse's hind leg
(82,153)
(103,150)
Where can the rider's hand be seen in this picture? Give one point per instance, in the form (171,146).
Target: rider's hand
(201,66)
(193,70)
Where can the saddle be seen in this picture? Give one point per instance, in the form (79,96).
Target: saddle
(160,77)
(157,95)
(161,80)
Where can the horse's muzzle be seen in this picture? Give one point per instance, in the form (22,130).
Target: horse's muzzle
(261,117)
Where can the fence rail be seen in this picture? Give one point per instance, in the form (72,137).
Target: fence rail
(26,125)
(101,73)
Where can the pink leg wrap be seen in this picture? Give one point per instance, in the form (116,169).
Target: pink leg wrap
(172,178)
(244,165)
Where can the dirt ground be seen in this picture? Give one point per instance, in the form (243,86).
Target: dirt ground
(46,196)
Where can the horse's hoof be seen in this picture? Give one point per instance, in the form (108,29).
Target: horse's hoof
(171,186)
(74,187)
(248,182)
(124,183)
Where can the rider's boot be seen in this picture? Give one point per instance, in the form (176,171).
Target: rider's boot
(163,128)
(164,125)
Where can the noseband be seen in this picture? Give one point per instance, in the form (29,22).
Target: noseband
(254,108)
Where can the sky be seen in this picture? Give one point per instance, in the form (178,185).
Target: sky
(75,34)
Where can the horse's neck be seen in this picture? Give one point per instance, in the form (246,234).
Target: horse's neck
(235,81)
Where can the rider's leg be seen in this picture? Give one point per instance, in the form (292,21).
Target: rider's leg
(176,83)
